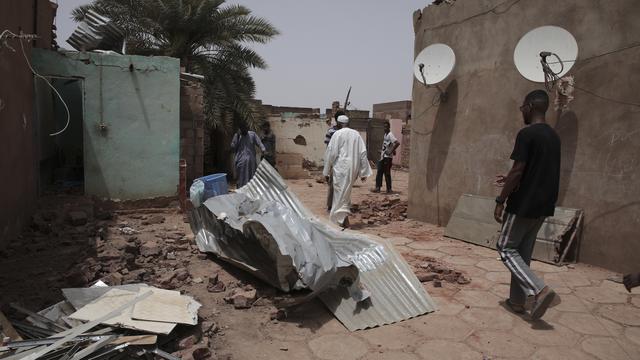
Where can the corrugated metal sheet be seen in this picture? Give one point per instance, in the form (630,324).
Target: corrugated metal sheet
(96,32)
(472,221)
(395,292)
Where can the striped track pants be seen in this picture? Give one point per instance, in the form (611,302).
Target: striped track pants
(515,244)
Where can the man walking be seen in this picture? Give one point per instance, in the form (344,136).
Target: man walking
(389,146)
(530,190)
(244,144)
(344,161)
(327,138)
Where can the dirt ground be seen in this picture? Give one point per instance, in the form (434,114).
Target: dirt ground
(152,243)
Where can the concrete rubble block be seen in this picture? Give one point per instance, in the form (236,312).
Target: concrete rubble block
(182,274)
(150,248)
(154,219)
(215,285)
(188,342)
(240,298)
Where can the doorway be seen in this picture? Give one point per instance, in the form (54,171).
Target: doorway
(60,133)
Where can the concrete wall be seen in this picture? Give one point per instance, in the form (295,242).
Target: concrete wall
(458,146)
(396,129)
(137,99)
(288,126)
(393,110)
(18,145)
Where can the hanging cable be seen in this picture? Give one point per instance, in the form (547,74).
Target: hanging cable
(3,40)
(599,55)
(551,77)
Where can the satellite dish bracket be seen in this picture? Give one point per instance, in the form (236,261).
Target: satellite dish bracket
(443,94)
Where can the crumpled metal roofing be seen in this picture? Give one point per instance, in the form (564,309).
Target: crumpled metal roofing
(96,32)
(395,293)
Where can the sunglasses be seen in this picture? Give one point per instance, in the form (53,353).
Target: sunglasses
(524,107)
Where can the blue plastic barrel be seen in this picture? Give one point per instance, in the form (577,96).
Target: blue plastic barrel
(214,185)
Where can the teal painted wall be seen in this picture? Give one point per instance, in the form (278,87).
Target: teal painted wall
(137,98)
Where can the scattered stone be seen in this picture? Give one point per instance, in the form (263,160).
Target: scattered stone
(215,285)
(309,184)
(166,278)
(462,280)
(202,256)
(279,314)
(437,283)
(188,342)
(152,220)
(209,327)
(171,256)
(109,254)
(150,248)
(182,274)
(320,179)
(201,353)
(197,280)
(113,279)
(241,299)
(426,277)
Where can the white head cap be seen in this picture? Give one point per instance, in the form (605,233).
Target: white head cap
(343,119)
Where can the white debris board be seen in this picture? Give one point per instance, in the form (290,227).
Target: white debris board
(113,299)
(167,306)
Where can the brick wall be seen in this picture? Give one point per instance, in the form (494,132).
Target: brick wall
(192,128)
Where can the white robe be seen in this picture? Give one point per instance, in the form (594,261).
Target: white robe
(346,158)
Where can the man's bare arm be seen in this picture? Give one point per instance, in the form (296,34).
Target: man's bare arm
(510,183)
(512,180)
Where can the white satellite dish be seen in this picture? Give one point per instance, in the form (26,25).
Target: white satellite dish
(545,39)
(434,64)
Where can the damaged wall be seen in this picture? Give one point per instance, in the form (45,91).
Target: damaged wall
(18,145)
(192,128)
(131,121)
(294,130)
(464,142)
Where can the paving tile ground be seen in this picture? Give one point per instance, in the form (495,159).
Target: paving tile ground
(597,318)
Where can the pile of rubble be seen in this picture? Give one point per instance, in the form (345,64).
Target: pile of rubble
(379,210)
(430,270)
(106,322)
(75,241)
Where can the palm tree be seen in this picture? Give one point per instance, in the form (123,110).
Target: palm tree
(209,38)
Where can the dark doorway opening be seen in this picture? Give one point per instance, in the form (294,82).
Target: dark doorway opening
(61,160)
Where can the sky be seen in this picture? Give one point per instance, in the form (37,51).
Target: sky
(324,47)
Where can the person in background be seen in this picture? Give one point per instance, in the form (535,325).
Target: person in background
(327,138)
(269,142)
(244,145)
(344,162)
(389,146)
(530,190)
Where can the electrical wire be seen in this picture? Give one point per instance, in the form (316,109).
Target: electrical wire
(26,58)
(599,55)
(493,10)
(550,77)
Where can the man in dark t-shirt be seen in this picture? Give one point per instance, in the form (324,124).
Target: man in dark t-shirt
(530,191)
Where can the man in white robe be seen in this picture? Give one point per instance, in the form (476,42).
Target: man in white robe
(346,159)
